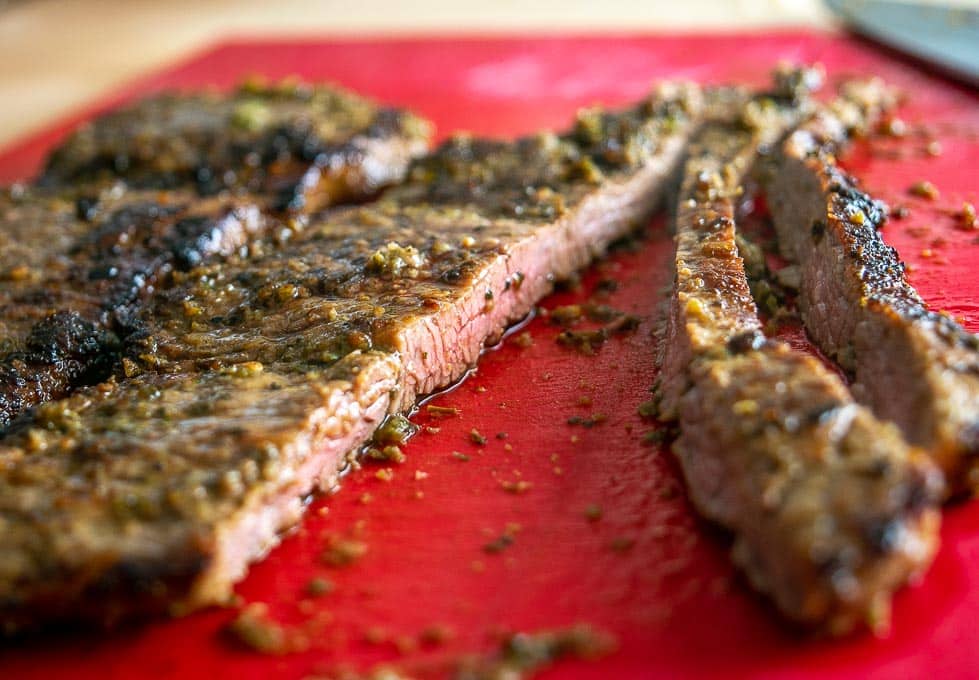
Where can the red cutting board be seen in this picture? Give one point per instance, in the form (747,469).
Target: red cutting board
(667,593)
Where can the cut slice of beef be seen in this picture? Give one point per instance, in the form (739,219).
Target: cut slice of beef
(303,146)
(83,251)
(153,494)
(831,511)
(916,367)
(253,381)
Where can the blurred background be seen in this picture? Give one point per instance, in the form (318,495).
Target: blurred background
(57,54)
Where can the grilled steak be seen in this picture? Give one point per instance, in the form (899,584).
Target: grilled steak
(302,146)
(252,382)
(830,509)
(83,251)
(913,366)
(72,283)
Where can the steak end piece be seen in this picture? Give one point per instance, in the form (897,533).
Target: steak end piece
(830,509)
(301,146)
(913,366)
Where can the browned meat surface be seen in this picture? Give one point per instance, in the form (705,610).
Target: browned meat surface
(253,382)
(77,270)
(831,511)
(911,365)
(302,146)
(83,251)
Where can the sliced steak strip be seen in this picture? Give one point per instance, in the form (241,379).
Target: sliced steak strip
(68,300)
(830,509)
(154,494)
(911,365)
(253,382)
(303,146)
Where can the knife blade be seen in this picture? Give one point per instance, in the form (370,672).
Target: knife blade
(940,34)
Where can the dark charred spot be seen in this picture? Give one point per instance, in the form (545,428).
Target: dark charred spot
(851,198)
(927,490)
(289,200)
(13,391)
(884,535)
(453,275)
(131,224)
(87,208)
(746,342)
(131,328)
(62,351)
(880,468)
(720,222)
(125,288)
(207,182)
(120,164)
(66,336)
(817,230)
(292,141)
(103,272)
(193,240)
(819,414)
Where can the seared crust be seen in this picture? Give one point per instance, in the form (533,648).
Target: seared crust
(84,251)
(80,267)
(830,509)
(303,147)
(253,382)
(911,365)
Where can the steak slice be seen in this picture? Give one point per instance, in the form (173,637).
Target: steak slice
(153,494)
(255,381)
(302,146)
(80,253)
(831,511)
(911,365)
(73,282)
